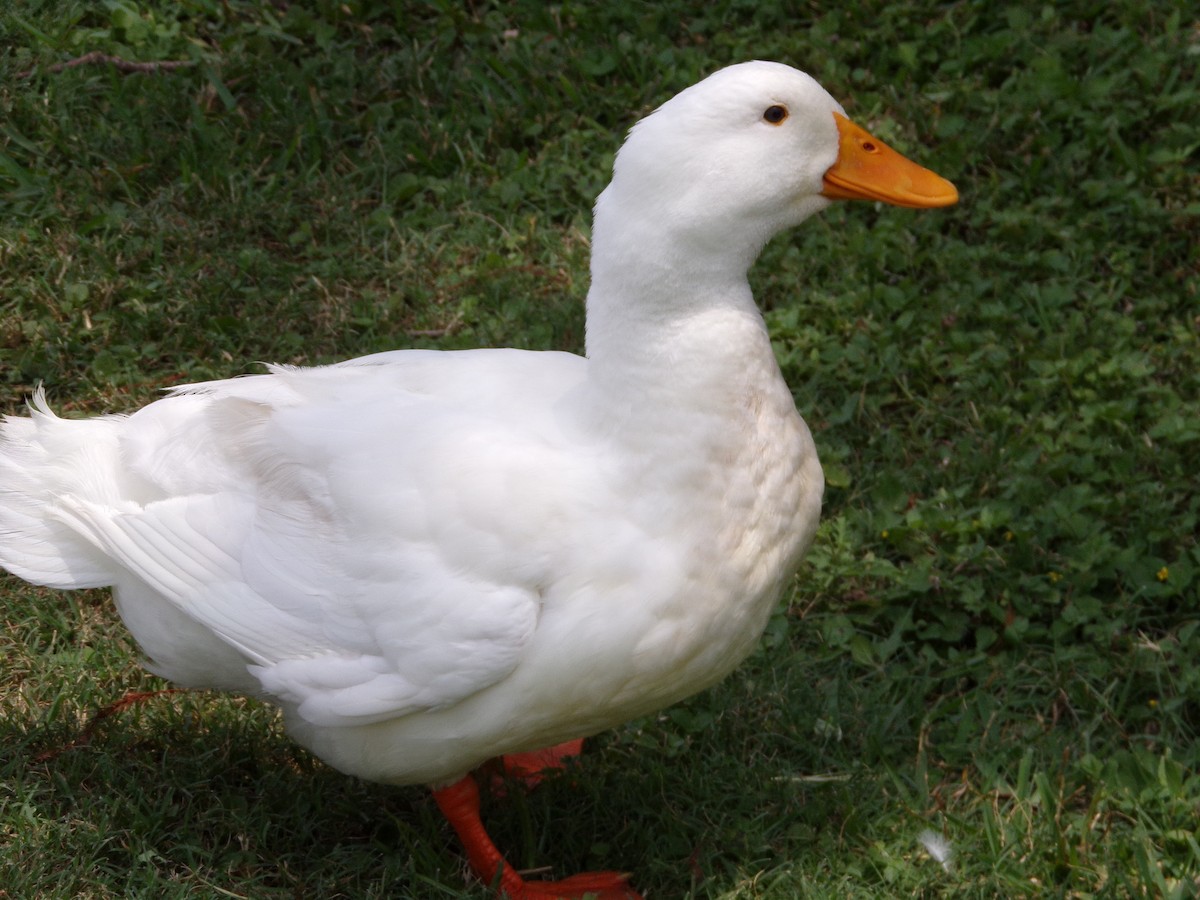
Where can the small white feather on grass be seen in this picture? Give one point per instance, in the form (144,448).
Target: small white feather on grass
(937,847)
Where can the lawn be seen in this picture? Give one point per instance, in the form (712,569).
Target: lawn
(994,640)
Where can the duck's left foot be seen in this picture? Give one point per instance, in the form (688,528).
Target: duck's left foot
(586,886)
(529,768)
(100,715)
(459,803)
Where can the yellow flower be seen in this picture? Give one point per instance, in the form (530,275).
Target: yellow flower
(1163,574)
(1055,577)
(1152,703)
(883,534)
(1008,535)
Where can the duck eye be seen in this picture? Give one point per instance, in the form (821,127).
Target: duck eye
(775,114)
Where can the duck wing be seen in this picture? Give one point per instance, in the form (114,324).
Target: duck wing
(372,538)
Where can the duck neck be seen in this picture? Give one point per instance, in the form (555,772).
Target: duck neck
(663,302)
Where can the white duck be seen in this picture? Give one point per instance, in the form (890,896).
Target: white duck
(429,559)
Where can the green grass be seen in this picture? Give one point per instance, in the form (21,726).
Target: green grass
(995,636)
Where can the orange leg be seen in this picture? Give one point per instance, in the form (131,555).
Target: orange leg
(460,805)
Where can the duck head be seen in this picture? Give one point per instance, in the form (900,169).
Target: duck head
(749,151)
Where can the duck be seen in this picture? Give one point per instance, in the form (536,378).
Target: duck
(429,559)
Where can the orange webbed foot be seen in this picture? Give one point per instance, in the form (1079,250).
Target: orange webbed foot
(589,885)
(530,768)
(459,803)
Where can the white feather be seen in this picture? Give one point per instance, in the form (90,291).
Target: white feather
(937,847)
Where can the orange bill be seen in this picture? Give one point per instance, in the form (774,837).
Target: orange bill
(868,169)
